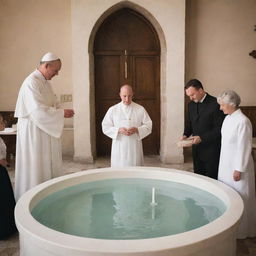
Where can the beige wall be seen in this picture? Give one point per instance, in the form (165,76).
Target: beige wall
(220,35)
(28,29)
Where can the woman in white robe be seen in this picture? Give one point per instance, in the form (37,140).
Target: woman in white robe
(236,167)
(126,123)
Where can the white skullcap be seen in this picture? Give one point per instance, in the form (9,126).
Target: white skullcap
(49,57)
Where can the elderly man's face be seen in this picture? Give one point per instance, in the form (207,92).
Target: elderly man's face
(126,95)
(227,108)
(52,69)
(195,94)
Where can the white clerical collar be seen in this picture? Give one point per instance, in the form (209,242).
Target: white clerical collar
(127,110)
(125,106)
(201,101)
(236,112)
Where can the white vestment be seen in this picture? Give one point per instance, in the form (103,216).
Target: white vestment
(2,149)
(126,150)
(236,148)
(40,125)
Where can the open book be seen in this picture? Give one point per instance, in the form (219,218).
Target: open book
(185,143)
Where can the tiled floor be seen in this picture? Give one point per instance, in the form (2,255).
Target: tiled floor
(10,247)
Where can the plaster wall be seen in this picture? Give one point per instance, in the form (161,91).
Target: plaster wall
(219,36)
(29,29)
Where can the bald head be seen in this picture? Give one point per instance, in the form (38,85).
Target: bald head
(126,87)
(126,94)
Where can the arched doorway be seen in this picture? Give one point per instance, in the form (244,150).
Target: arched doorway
(127,51)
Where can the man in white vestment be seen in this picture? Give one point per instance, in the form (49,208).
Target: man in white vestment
(39,128)
(126,123)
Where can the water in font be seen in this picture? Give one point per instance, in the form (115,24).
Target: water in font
(128,209)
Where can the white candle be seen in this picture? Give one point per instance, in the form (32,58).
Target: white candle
(153,196)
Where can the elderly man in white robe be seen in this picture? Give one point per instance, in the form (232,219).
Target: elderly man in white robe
(236,167)
(126,123)
(39,128)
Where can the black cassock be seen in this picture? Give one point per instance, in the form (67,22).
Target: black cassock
(7,205)
(205,120)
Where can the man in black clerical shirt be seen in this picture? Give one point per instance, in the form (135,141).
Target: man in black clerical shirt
(204,125)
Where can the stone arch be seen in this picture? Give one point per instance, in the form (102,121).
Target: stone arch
(160,33)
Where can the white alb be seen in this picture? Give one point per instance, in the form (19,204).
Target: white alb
(126,150)
(236,148)
(40,125)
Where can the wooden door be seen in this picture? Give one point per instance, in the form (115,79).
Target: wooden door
(126,51)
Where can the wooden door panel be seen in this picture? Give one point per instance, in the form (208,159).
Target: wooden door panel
(147,94)
(127,51)
(145,77)
(107,75)
(107,78)
(126,29)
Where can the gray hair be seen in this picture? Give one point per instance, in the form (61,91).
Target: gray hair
(229,97)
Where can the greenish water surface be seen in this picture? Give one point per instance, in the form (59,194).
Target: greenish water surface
(122,209)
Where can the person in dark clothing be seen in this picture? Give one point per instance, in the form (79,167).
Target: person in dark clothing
(204,126)
(7,201)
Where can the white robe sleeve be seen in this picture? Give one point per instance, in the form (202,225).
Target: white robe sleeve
(29,98)
(108,126)
(244,146)
(2,149)
(49,119)
(146,127)
(33,104)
